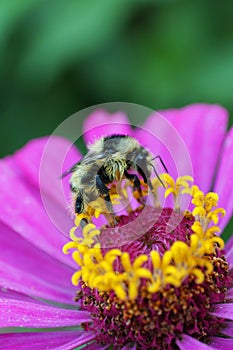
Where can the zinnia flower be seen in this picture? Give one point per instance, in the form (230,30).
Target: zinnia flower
(165,284)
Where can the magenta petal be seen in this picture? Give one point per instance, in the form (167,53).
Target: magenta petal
(161,138)
(223,185)
(32,271)
(17,313)
(229,295)
(229,251)
(25,215)
(229,256)
(95,346)
(203,129)
(190,343)
(222,343)
(223,310)
(6,293)
(44,340)
(23,282)
(42,161)
(81,340)
(229,244)
(228,329)
(101,123)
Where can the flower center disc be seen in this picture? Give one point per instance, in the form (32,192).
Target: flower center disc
(160,278)
(148,229)
(153,321)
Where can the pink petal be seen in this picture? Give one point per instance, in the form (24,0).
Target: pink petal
(223,185)
(228,329)
(42,162)
(229,295)
(28,270)
(17,313)
(101,123)
(229,256)
(229,244)
(129,347)
(222,343)
(83,339)
(95,346)
(24,214)
(23,282)
(44,340)
(161,138)
(11,294)
(190,343)
(223,310)
(203,129)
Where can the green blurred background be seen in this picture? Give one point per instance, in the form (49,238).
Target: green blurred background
(60,56)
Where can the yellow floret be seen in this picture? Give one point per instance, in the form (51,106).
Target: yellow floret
(176,188)
(116,271)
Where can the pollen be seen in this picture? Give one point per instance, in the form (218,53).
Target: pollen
(158,275)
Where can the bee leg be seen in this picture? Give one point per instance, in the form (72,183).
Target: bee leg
(150,185)
(136,185)
(141,172)
(134,179)
(155,199)
(79,206)
(147,181)
(83,223)
(104,192)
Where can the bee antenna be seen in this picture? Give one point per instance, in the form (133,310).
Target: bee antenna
(69,171)
(157,174)
(162,162)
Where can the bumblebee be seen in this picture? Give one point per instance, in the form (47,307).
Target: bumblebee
(109,159)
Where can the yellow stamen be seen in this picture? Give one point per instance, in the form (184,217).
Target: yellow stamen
(116,271)
(68,246)
(176,188)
